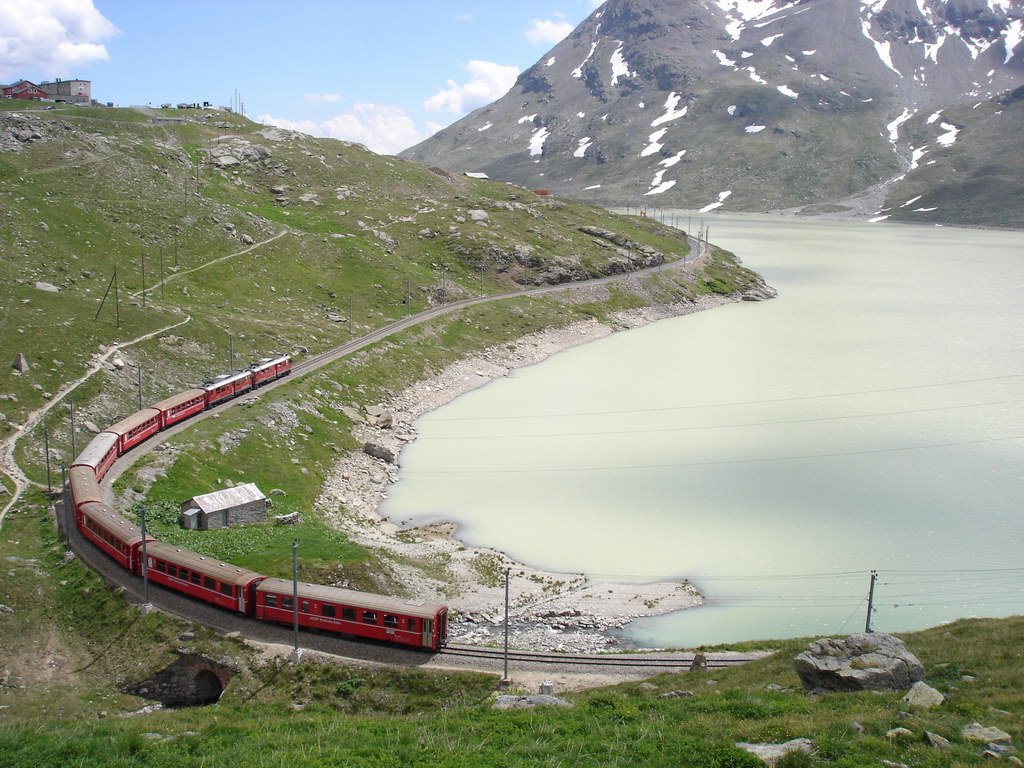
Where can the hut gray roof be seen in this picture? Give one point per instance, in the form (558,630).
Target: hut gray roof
(228,498)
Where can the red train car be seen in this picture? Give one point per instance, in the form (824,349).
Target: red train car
(180,407)
(99,454)
(203,577)
(283,365)
(136,428)
(378,617)
(117,536)
(270,368)
(84,489)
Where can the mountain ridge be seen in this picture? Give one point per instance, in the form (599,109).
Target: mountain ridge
(755,104)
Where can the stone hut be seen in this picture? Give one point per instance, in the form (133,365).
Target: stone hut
(220,509)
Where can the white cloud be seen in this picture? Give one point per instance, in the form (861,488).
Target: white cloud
(463,17)
(547,31)
(40,39)
(488,81)
(321,98)
(382,129)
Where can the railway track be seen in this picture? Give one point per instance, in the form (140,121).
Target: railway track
(635,660)
(225,623)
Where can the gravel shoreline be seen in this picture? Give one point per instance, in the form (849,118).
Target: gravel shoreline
(548,610)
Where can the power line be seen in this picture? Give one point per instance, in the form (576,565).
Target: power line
(739,402)
(722,462)
(783,422)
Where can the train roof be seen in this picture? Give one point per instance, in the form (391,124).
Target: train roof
(225,378)
(265,362)
(178,399)
(124,529)
(96,450)
(364,600)
(83,484)
(136,419)
(208,566)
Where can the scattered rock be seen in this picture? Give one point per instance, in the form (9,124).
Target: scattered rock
(978,732)
(864,661)
(91,427)
(676,695)
(479,215)
(893,764)
(247,240)
(379,452)
(48,287)
(20,363)
(935,741)
(6,608)
(118,363)
(856,727)
(526,702)
(277,492)
(292,518)
(923,695)
(898,733)
(770,754)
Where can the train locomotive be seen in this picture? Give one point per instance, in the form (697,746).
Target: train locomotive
(412,623)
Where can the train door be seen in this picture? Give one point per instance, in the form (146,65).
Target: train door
(428,633)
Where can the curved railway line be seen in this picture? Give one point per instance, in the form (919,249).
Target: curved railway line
(227,623)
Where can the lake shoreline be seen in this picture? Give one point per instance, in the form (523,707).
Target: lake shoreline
(548,610)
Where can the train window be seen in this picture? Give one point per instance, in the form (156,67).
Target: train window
(172,570)
(327,610)
(412,624)
(227,589)
(349,614)
(369,617)
(160,566)
(390,621)
(286,603)
(270,601)
(210,583)
(195,577)
(304,606)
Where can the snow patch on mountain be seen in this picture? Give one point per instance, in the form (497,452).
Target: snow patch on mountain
(537,141)
(578,72)
(894,126)
(754,128)
(671,113)
(1012,38)
(653,145)
(882,48)
(787,91)
(724,60)
(527,119)
(766,42)
(484,127)
(668,162)
(721,201)
(581,150)
(740,12)
(949,137)
(620,68)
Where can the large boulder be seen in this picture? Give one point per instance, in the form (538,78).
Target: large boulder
(865,661)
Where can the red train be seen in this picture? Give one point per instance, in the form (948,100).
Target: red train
(378,617)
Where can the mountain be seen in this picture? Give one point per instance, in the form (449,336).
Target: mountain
(768,104)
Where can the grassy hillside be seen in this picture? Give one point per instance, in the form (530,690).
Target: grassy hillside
(71,645)
(257,240)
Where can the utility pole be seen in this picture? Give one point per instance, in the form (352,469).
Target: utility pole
(117,300)
(871,601)
(146,605)
(504,678)
(296,656)
(64,506)
(73,451)
(139,366)
(46,447)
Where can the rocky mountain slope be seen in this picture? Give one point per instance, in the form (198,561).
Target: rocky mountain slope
(768,104)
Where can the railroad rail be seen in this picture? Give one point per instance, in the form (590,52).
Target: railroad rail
(641,660)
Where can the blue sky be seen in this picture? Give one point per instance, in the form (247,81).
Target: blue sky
(385,73)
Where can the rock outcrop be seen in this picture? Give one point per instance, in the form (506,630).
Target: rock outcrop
(865,661)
